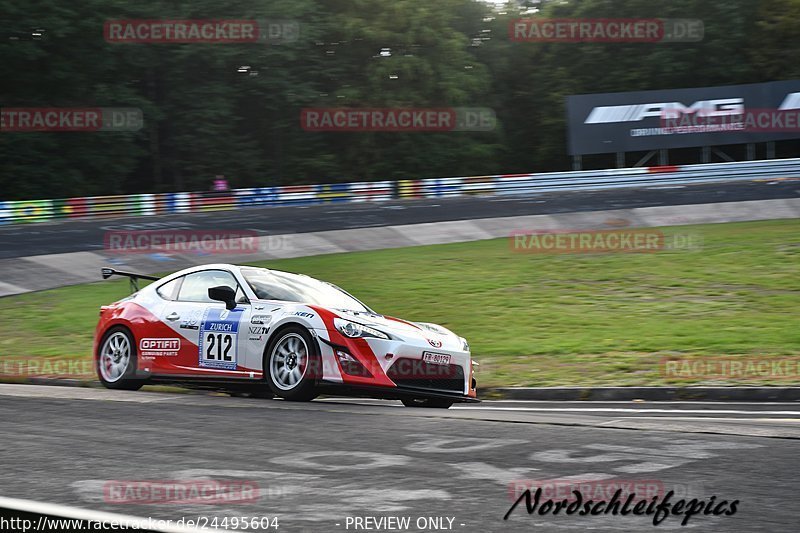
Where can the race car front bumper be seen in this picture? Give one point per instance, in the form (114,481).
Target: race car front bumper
(398,365)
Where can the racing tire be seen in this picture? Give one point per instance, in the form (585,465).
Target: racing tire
(116,360)
(435,403)
(292,365)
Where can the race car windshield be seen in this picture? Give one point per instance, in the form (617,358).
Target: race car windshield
(283,286)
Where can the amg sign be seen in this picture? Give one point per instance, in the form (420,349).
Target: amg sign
(629,122)
(638,112)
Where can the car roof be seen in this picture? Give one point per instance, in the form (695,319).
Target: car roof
(225,266)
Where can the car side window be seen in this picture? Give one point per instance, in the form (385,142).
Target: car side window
(168,290)
(195,286)
(241,298)
(273,291)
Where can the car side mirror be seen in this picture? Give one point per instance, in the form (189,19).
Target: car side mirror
(225,294)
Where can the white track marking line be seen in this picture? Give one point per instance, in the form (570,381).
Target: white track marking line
(76,513)
(489,403)
(684,418)
(628,402)
(628,410)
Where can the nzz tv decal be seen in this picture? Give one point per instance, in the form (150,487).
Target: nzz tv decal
(219,338)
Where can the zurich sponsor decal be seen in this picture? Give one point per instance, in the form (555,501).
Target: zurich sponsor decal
(219,336)
(435,343)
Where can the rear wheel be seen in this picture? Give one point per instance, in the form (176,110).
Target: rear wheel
(116,361)
(291,365)
(436,403)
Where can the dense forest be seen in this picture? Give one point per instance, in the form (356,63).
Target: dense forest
(234,109)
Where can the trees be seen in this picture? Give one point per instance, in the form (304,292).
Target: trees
(67,68)
(775,44)
(204,115)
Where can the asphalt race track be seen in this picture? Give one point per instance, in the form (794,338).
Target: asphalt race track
(343,464)
(322,465)
(87,235)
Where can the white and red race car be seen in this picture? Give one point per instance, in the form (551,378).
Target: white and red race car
(274,333)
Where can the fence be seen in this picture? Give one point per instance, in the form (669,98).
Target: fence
(25,211)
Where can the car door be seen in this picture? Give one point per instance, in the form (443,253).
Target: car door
(210,341)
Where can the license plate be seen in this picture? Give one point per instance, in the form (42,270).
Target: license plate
(436,358)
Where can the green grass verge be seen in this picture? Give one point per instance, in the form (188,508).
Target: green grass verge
(532,319)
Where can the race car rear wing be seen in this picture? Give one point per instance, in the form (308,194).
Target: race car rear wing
(108,272)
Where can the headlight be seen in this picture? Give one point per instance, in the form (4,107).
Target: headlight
(465,344)
(354,329)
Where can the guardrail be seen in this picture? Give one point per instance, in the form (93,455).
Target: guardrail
(26,211)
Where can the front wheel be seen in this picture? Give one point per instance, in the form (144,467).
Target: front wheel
(436,403)
(291,365)
(116,361)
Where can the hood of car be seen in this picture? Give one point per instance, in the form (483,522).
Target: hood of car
(435,334)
